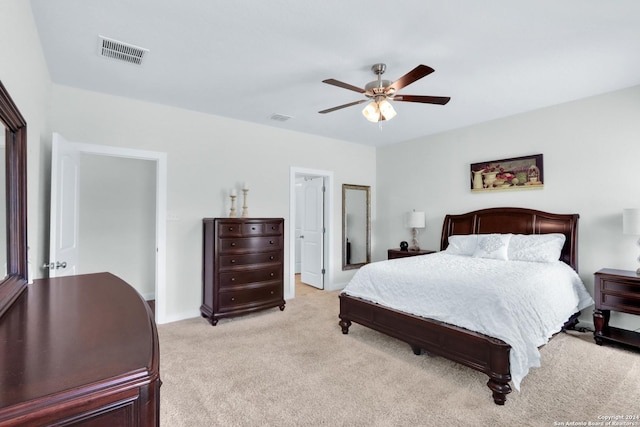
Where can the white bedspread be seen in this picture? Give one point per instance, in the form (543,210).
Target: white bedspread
(522,303)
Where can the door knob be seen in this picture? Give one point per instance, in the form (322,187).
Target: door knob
(55,265)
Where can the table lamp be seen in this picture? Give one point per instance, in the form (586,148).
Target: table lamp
(415,221)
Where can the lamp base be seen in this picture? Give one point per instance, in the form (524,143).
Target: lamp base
(414,240)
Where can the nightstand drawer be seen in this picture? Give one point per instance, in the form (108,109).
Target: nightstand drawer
(620,303)
(621,286)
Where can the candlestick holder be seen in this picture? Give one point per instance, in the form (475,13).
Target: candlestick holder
(245,211)
(232,212)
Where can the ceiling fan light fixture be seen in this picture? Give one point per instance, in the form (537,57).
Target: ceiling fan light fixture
(372,112)
(387,110)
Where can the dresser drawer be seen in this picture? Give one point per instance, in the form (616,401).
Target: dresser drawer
(260,295)
(229,229)
(273,228)
(245,244)
(240,260)
(239,278)
(262,229)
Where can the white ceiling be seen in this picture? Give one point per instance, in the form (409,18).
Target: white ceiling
(249,59)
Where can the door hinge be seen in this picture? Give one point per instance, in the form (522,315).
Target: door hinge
(323,271)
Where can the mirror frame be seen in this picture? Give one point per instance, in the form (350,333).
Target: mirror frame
(15,282)
(367,189)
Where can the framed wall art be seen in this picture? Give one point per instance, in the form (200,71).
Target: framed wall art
(517,173)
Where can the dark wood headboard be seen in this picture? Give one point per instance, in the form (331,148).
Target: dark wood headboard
(516,221)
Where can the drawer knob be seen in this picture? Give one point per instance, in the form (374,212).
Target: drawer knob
(233,279)
(230,228)
(233,261)
(233,243)
(271,257)
(233,299)
(271,274)
(253,228)
(271,292)
(271,242)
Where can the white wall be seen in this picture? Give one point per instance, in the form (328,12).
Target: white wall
(206,156)
(24,73)
(117,219)
(591,149)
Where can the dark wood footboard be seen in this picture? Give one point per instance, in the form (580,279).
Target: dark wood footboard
(477,351)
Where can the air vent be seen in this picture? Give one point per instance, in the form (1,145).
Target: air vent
(280,117)
(114,49)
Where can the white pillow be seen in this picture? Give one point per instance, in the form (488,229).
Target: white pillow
(536,247)
(462,244)
(493,246)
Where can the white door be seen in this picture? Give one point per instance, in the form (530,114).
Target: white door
(65,173)
(312,251)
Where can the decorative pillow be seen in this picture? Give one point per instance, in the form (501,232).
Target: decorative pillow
(536,247)
(462,244)
(493,246)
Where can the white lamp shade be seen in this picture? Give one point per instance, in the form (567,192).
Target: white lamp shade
(416,220)
(631,221)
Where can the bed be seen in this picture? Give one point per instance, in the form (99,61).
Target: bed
(478,351)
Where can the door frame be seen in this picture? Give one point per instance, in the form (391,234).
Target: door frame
(297,172)
(161,212)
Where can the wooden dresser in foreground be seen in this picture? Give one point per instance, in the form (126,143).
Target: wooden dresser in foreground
(242,266)
(79,351)
(617,290)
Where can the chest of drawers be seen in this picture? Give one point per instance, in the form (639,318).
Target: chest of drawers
(242,266)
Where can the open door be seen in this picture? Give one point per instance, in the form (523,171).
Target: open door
(312,236)
(65,173)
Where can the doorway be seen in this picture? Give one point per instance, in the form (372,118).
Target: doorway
(155,161)
(310,227)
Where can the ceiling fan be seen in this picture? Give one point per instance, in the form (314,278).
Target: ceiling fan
(380,92)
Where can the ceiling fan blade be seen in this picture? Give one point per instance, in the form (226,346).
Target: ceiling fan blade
(339,107)
(416,74)
(343,85)
(441,100)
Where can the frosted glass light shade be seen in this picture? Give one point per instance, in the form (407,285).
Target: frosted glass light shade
(631,221)
(372,112)
(386,109)
(378,110)
(416,220)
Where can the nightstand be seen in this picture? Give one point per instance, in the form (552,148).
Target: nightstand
(397,253)
(617,290)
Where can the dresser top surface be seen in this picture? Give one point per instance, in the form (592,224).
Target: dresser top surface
(70,332)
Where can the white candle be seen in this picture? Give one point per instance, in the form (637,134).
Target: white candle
(233,192)
(246,186)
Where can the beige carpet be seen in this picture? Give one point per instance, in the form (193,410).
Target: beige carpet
(295,368)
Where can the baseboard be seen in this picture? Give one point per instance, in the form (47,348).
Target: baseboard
(335,286)
(180,316)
